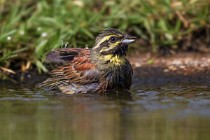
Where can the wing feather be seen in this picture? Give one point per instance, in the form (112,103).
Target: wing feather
(66,55)
(77,69)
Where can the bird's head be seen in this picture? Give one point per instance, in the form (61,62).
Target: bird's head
(112,45)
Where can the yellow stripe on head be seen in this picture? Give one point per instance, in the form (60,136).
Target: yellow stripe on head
(102,40)
(111,46)
(105,38)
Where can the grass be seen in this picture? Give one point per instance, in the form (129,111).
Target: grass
(30,28)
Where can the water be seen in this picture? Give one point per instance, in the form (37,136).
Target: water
(172,112)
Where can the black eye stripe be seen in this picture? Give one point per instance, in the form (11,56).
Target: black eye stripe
(114,39)
(104,44)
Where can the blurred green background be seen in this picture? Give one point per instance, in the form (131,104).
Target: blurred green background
(29,29)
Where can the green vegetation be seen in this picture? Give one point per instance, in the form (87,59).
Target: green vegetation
(29,29)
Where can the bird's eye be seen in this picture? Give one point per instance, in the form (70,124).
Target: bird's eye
(113,39)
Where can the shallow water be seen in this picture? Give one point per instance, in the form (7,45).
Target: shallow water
(150,113)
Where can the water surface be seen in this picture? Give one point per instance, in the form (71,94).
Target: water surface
(152,113)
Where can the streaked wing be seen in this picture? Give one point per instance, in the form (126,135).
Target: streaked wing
(77,73)
(76,69)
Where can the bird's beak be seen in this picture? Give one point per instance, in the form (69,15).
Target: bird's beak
(128,39)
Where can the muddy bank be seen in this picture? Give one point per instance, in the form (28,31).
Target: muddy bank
(149,70)
(183,68)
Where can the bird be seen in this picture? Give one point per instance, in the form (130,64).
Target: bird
(99,69)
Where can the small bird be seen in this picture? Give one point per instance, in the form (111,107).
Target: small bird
(97,70)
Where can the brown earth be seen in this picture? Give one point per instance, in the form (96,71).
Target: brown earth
(183,68)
